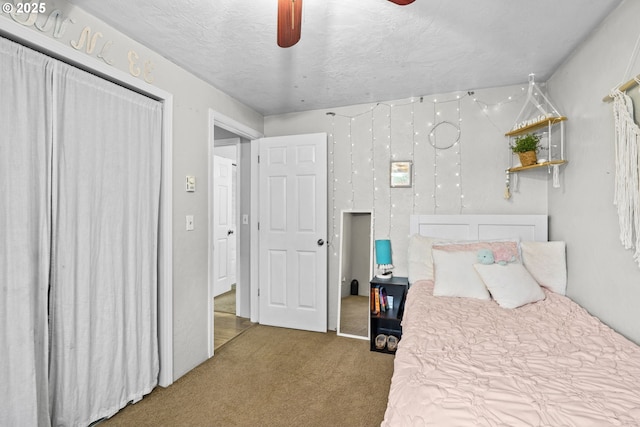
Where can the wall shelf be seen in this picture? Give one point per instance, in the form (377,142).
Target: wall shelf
(547,122)
(539,165)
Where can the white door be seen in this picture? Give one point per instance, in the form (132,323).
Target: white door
(293,232)
(222,225)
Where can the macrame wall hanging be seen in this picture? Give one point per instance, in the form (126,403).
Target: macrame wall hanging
(627,152)
(627,192)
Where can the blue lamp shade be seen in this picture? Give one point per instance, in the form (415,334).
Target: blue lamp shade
(383,252)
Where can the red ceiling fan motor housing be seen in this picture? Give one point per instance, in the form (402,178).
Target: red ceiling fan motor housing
(289,22)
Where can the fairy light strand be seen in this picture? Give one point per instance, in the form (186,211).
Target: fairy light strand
(353,171)
(374,185)
(375,140)
(460,158)
(413,156)
(485,107)
(390,158)
(334,235)
(435,161)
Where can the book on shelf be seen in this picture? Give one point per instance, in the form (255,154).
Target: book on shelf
(384,303)
(372,300)
(376,300)
(379,300)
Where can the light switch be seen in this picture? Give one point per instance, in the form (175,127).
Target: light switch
(191,183)
(245,219)
(189,222)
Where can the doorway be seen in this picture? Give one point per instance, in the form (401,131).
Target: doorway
(227,324)
(231,308)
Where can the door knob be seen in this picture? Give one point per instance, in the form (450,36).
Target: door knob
(320,242)
(229,233)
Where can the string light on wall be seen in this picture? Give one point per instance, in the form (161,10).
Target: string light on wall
(391,156)
(334,235)
(429,125)
(486,107)
(413,156)
(374,186)
(353,170)
(443,133)
(453,128)
(459,173)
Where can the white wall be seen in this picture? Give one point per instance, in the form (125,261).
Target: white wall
(602,275)
(192,100)
(380,133)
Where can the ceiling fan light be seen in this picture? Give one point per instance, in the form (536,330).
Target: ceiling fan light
(289,22)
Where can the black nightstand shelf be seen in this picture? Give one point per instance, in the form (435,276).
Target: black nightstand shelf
(388,322)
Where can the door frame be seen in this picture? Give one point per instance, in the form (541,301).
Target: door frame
(42,43)
(243,131)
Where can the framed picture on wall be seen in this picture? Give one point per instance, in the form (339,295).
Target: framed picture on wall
(401,174)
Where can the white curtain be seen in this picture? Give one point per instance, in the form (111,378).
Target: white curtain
(80,187)
(25,227)
(106,192)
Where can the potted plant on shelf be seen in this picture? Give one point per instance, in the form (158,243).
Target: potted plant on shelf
(526,146)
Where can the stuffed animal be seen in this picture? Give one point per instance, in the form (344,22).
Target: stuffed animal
(503,256)
(485,256)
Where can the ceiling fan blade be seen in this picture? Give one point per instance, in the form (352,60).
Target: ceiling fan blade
(402,2)
(289,22)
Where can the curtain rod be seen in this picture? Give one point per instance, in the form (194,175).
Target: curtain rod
(623,88)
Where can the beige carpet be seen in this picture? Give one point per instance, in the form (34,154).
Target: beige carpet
(274,377)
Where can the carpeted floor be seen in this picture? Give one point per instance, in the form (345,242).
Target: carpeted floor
(274,377)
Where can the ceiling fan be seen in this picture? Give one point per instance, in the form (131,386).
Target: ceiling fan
(290,20)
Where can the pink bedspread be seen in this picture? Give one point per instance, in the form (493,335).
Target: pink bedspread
(465,362)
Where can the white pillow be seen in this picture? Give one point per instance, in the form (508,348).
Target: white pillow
(455,276)
(510,285)
(546,261)
(419,257)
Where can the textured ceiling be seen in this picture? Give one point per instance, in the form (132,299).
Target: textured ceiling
(357,51)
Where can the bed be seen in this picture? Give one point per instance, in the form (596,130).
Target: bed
(537,360)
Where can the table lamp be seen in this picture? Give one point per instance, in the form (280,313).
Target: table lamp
(383,259)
